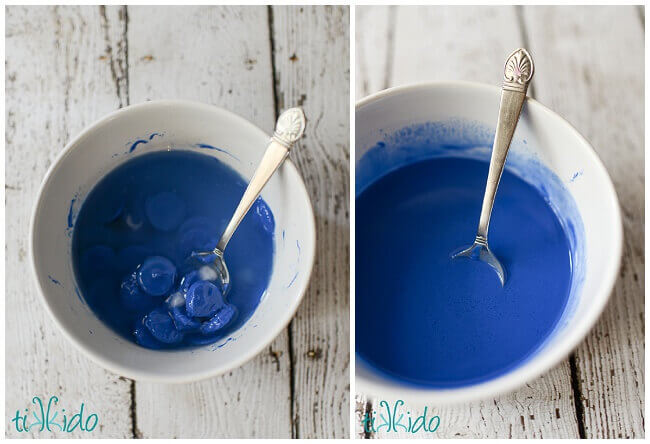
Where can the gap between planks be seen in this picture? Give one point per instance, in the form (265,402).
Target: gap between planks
(294,425)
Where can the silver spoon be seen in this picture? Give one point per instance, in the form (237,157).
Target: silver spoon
(518,72)
(288,129)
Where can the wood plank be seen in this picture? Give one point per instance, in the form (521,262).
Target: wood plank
(453,43)
(543,408)
(312,70)
(596,81)
(218,55)
(374,36)
(58,80)
(461,43)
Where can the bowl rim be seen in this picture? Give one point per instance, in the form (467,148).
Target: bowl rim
(120,368)
(549,358)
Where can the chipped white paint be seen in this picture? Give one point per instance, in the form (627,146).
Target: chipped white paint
(68,66)
(599,90)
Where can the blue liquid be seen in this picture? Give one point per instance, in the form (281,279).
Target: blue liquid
(426,319)
(151,206)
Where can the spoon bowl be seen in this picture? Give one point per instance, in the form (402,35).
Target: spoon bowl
(480,251)
(215,261)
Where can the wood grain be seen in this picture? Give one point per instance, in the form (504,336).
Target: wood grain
(597,84)
(311,46)
(431,43)
(542,408)
(600,84)
(58,80)
(221,62)
(374,36)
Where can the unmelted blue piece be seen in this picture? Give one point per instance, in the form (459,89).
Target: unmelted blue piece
(161,326)
(187,281)
(112,209)
(197,234)
(133,297)
(165,210)
(203,299)
(197,239)
(144,337)
(196,222)
(156,275)
(182,321)
(222,318)
(210,191)
(203,258)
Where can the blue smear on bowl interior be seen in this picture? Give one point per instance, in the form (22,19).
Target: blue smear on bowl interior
(134,233)
(427,320)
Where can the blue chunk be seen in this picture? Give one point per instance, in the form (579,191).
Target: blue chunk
(203,299)
(144,338)
(132,296)
(223,317)
(182,321)
(187,281)
(156,275)
(98,259)
(112,208)
(196,222)
(203,259)
(165,210)
(130,257)
(264,215)
(196,239)
(161,326)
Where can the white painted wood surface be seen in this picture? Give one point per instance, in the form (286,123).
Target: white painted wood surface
(590,69)
(604,73)
(312,61)
(68,66)
(55,85)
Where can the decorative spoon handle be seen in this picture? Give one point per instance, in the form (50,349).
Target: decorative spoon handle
(518,72)
(288,129)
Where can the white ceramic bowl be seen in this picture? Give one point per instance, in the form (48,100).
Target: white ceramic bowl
(541,136)
(106,144)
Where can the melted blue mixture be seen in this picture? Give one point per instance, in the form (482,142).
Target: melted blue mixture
(426,319)
(134,233)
